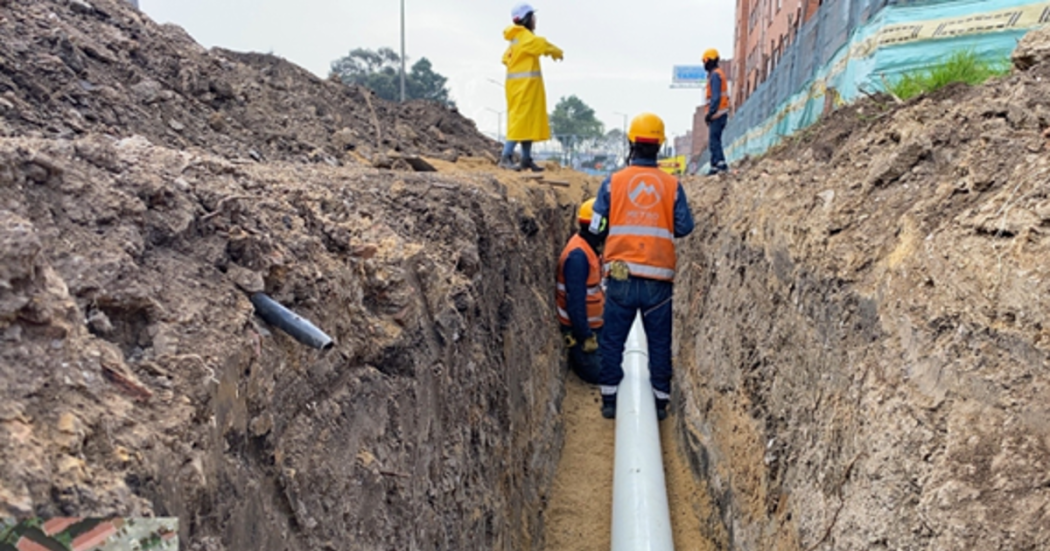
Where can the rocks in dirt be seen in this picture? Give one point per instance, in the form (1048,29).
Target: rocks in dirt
(396,161)
(249,281)
(890,166)
(1033,49)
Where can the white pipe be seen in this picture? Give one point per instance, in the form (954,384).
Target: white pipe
(641,519)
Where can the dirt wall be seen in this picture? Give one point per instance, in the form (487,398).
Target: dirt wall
(138,381)
(862,329)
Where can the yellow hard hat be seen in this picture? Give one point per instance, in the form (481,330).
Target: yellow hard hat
(709,55)
(647,128)
(586,212)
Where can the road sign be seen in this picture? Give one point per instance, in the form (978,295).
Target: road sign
(688,76)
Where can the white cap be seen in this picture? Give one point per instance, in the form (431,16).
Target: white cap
(520,11)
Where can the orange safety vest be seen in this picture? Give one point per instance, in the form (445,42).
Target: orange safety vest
(595,294)
(641,222)
(723,104)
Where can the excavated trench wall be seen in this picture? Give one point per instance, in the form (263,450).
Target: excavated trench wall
(862,329)
(137,380)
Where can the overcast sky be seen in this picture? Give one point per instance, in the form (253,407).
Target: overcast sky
(618,53)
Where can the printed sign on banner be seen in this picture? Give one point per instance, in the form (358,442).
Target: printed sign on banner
(688,76)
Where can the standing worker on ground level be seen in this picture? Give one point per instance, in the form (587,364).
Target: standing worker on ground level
(645,209)
(580,297)
(526,98)
(717,110)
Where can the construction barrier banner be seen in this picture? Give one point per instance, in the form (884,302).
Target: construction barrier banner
(827,66)
(673,165)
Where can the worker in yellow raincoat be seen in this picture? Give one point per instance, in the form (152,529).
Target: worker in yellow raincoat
(526,99)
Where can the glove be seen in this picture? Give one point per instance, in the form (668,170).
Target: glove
(590,346)
(708,118)
(557,54)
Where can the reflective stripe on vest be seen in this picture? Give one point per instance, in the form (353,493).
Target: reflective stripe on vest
(642,231)
(723,104)
(595,298)
(524,74)
(641,222)
(594,322)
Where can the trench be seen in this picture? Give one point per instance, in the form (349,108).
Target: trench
(835,387)
(861,317)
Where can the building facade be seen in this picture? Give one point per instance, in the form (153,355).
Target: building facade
(764,29)
(683,145)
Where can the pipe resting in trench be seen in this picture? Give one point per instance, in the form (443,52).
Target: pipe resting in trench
(641,518)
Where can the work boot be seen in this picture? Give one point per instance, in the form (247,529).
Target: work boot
(507,162)
(609,409)
(527,164)
(661,410)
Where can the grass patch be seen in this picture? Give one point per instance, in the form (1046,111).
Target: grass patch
(961,66)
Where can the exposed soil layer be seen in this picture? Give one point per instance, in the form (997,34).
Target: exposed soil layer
(137,380)
(862,321)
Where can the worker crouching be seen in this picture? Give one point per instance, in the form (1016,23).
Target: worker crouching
(580,297)
(644,209)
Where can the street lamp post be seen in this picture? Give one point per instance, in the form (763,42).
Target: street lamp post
(402,51)
(625,140)
(499,124)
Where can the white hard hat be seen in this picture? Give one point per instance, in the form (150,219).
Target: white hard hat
(520,11)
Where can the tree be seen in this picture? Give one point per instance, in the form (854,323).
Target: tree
(380,71)
(615,143)
(573,123)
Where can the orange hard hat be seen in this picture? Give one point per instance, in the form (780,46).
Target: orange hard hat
(647,128)
(709,55)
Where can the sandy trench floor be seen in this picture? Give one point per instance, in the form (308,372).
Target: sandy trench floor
(579,516)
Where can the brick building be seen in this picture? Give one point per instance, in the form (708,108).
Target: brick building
(764,29)
(683,145)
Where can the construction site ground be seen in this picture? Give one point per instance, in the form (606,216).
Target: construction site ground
(861,316)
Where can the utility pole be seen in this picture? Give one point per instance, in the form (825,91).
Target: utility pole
(402,51)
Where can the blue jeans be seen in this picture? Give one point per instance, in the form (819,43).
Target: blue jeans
(623,299)
(714,140)
(585,366)
(526,149)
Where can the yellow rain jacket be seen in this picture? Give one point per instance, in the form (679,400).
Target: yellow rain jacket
(526,97)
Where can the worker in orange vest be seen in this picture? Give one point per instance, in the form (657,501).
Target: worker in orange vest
(717,110)
(644,210)
(580,297)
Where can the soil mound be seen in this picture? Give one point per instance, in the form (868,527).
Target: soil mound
(72,67)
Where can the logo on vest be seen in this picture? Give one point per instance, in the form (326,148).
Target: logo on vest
(643,194)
